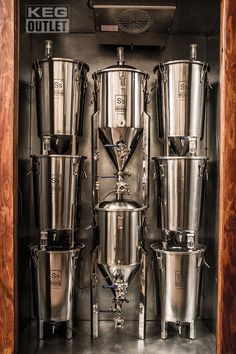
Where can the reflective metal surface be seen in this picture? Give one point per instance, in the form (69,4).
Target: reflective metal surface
(181,95)
(118,341)
(179,192)
(120,235)
(60,96)
(120,94)
(57,189)
(55,281)
(177,279)
(86,46)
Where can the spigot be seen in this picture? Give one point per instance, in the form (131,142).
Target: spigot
(120,56)
(48,49)
(193,146)
(53,326)
(43,240)
(190,240)
(46,144)
(193,51)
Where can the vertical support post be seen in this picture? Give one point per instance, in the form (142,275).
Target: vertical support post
(143,294)
(192,330)
(93,296)
(95,160)
(164,329)
(146,154)
(40,329)
(74,145)
(69,327)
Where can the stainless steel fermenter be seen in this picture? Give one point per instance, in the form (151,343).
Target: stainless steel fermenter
(55,275)
(181,89)
(57,188)
(120,95)
(179,182)
(60,96)
(120,238)
(177,279)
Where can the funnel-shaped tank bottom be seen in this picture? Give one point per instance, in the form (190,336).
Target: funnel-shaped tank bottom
(61,144)
(179,145)
(120,144)
(109,272)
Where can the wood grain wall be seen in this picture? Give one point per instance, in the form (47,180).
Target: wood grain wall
(8,171)
(226,329)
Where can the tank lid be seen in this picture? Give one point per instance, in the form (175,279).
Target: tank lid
(159,248)
(119,205)
(181,61)
(120,68)
(66,60)
(180,158)
(120,64)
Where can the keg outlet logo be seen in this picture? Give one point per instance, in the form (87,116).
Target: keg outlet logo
(47,19)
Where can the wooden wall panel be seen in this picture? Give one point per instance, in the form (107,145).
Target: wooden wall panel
(8,171)
(226,328)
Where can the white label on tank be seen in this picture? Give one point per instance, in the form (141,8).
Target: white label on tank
(56,278)
(58,85)
(120,102)
(183,89)
(179,279)
(56,183)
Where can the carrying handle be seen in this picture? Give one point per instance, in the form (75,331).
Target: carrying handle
(38,70)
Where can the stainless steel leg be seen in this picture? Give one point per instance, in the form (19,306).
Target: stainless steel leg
(40,329)
(94,301)
(164,327)
(192,330)
(143,294)
(95,321)
(69,326)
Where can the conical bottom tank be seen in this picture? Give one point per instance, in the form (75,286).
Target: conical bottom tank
(179,192)
(177,281)
(57,189)
(120,234)
(55,277)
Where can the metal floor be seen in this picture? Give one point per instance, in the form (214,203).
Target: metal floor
(121,341)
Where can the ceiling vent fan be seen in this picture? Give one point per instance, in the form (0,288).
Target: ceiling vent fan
(133,22)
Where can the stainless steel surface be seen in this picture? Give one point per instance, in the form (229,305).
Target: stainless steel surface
(86,46)
(60,96)
(143,294)
(120,100)
(181,96)
(177,279)
(118,341)
(57,187)
(120,236)
(179,192)
(120,95)
(133,18)
(55,275)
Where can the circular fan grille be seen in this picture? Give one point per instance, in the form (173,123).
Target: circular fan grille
(134,21)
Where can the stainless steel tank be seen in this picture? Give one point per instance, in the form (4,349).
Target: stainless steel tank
(177,281)
(120,93)
(57,188)
(179,182)
(181,89)
(60,96)
(120,236)
(55,274)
